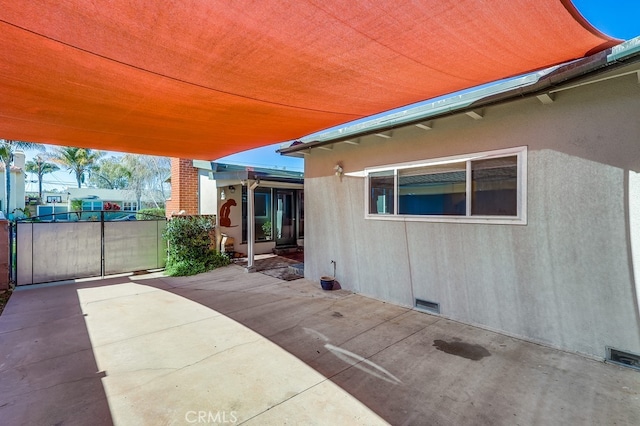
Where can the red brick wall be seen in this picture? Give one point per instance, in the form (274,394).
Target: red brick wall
(184,187)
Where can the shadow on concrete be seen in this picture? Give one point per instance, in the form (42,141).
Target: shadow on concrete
(415,368)
(47,358)
(406,366)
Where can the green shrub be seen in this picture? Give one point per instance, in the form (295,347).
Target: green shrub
(190,249)
(150,214)
(184,268)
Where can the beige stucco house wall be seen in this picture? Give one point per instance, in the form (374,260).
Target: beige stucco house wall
(567,278)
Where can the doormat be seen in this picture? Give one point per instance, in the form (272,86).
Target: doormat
(284,274)
(271,262)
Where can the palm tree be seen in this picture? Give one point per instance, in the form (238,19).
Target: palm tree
(7,148)
(40,167)
(77,160)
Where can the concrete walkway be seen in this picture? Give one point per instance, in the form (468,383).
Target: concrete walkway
(227,347)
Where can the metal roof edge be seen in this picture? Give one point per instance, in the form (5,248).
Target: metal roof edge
(624,50)
(490,94)
(251,175)
(246,171)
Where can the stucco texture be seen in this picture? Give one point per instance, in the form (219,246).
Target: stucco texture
(565,279)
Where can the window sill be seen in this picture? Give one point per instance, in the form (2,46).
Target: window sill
(486,220)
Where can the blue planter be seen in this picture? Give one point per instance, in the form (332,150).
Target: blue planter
(327,283)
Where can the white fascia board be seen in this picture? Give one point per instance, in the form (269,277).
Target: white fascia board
(202,164)
(424,110)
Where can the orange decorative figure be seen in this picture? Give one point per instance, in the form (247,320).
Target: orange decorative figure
(225,210)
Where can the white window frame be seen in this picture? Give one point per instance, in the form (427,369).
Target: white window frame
(94,205)
(133,206)
(520,219)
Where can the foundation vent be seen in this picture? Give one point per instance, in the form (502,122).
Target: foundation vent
(626,359)
(427,306)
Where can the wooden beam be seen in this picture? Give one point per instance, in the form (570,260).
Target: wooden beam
(545,98)
(476,115)
(386,135)
(427,125)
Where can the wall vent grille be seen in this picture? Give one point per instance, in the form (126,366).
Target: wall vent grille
(428,306)
(626,359)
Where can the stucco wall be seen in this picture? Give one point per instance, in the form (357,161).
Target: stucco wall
(565,279)
(17,189)
(235,214)
(207,194)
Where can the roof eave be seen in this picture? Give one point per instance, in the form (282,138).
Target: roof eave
(531,85)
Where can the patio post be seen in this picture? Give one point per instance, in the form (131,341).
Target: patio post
(251,223)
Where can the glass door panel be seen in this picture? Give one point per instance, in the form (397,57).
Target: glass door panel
(285,219)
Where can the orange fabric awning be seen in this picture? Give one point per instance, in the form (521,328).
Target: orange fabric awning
(203,79)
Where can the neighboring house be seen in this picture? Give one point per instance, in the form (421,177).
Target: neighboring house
(93,199)
(58,198)
(97,198)
(203,187)
(17,183)
(514,207)
(52,202)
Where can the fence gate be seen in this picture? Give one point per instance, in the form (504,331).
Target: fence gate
(61,250)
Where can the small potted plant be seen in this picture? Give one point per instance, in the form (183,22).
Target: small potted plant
(266,228)
(327,282)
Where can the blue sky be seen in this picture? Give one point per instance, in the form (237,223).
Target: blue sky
(616,18)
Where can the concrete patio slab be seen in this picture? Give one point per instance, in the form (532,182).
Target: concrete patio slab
(203,358)
(227,347)
(134,310)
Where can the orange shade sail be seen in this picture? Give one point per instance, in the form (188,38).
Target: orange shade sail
(203,79)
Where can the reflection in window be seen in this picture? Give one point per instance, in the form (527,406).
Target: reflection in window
(479,188)
(300,214)
(262,206)
(262,211)
(495,187)
(381,185)
(433,190)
